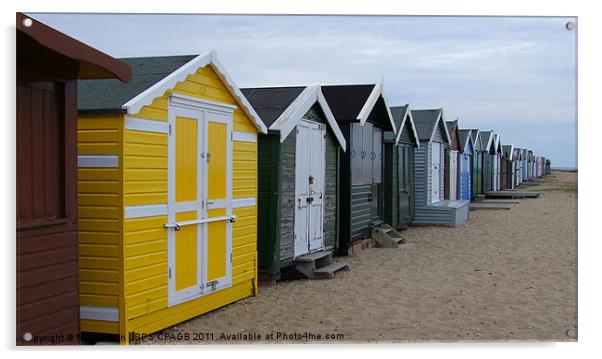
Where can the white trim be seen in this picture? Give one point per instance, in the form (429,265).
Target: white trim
(179,100)
(141,124)
(440,118)
(469,139)
(377,91)
(288,120)
(145,211)
(407,114)
(244,202)
(104,161)
(209,58)
(239,136)
(99,313)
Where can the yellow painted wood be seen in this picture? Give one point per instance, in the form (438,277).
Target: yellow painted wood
(139,149)
(143,137)
(102,212)
(144,198)
(97,275)
(101,199)
(144,260)
(148,271)
(98,174)
(148,186)
(139,174)
(142,237)
(99,122)
(99,326)
(145,162)
(91,136)
(97,148)
(216,246)
(186,252)
(98,237)
(216,167)
(99,300)
(100,250)
(186,159)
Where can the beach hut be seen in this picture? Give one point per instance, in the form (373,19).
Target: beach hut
(465,163)
(524,165)
(508,153)
(48,65)
(548,168)
(362,114)
(451,162)
(488,161)
(429,168)
(477,164)
(530,165)
(517,167)
(399,168)
(167,195)
(298,179)
(497,164)
(504,161)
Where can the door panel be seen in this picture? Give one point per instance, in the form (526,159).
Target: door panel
(368,152)
(316,186)
(435,172)
(377,161)
(186,159)
(186,253)
(357,154)
(216,246)
(403,184)
(216,160)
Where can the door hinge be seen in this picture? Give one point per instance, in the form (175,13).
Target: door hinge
(169,129)
(230,257)
(232,136)
(169,273)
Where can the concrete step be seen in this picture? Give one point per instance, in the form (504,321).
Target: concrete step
(479,197)
(490,206)
(386,236)
(511,194)
(312,257)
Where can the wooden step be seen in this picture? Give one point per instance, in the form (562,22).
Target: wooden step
(329,270)
(312,257)
(511,194)
(490,206)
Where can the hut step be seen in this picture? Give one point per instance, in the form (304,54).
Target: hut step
(319,265)
(386,236)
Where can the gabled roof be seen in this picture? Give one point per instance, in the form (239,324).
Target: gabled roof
(475,134)
(465,139)
(282,108)
(401,114)
(487,139)
(91,63)
(508,151)
(152,76)
(497,143)
(357,102)
(452,127)
(426,122)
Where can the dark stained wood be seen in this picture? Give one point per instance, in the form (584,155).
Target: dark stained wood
(90,63)
(48,65)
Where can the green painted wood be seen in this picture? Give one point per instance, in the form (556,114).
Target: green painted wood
(391,215)
(268,205)
(287,199)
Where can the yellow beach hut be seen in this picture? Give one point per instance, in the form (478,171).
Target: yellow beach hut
(167,188)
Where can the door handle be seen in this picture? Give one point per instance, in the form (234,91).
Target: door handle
(310,200)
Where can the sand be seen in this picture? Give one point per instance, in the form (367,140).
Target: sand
(507,275)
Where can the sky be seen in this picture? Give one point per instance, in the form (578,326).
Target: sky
(513,75)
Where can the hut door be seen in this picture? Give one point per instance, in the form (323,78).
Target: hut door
(199,208)
(435,172)
(453,174)
(309,187)
(403,190)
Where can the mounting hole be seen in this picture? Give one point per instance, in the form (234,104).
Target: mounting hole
(27,22)
(27,336)
(570,25)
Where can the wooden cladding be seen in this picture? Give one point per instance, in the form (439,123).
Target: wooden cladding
(40,154)
(366,154)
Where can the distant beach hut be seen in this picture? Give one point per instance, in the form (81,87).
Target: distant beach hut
(477,164)
(451,161)
(497,164)
(517,167)
(465,165)
(298,175)
(504,163)
(524,165)
(548,168)
(531,165)
(362,113)
(399,168)
(508,153)
(429,168)
(488,160)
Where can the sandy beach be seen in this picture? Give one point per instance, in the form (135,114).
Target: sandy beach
(507,275)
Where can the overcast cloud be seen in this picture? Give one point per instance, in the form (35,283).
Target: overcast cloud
(512,75)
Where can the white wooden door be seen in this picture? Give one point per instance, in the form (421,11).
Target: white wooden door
(309,187)
(453,175)
(435,172)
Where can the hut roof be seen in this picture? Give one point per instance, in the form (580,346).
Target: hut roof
(400,115)
(426,122)
(151,77)
(465,137)
(360,102)
(282,107)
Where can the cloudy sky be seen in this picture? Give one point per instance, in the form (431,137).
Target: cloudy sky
(516,76)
